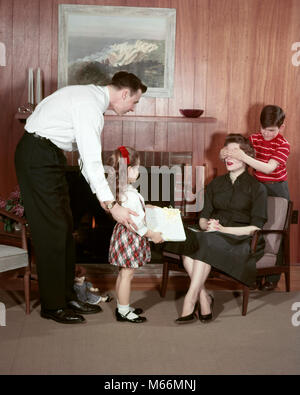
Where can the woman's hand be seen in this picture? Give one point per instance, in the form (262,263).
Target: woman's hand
(203,223)
(213,225)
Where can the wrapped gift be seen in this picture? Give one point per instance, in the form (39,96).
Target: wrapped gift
(167,221)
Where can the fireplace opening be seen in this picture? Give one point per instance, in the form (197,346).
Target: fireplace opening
(93,227)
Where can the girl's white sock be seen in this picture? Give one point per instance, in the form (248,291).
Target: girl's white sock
(125,309)
(130,308)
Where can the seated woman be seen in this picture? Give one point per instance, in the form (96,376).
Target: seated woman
(235,205)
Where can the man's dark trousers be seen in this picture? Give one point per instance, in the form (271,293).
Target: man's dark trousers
(40,167)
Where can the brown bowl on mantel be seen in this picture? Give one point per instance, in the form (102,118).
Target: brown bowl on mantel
(191,113)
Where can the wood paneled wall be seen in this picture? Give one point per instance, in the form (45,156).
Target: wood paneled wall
(232,57)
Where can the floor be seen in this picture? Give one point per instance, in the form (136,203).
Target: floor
(231,344)
(265,341)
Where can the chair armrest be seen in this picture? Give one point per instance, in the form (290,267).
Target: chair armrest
(23,222)
(10,215)
(263,232)
(267,231)
(171,256)
(173,260)
(190,219)
(12,239)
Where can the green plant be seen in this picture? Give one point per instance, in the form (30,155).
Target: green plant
(13,204)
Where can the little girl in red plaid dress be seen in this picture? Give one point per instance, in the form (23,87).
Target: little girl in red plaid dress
(129,249)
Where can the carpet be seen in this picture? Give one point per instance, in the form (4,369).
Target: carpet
(266,341)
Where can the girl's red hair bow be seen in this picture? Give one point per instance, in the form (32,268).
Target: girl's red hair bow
(124,153)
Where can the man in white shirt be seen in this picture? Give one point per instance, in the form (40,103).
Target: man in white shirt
(70,118)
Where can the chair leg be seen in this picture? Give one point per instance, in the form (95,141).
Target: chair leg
(287,281)
(245,299)
(164,280)
(27,290)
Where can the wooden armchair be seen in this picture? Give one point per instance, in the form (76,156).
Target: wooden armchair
(15,252)
(276,232)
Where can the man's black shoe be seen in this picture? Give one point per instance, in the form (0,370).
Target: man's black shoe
(62,316)
(83,308)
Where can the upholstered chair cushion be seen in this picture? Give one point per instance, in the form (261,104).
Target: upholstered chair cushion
(12,258)
(279,206)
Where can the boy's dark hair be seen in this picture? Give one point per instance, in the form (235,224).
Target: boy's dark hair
(271,116)
(123,79)
(243,142)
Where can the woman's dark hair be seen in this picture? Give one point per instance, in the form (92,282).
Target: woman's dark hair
(271,116)
(115,179)
(123,79)
(243,142)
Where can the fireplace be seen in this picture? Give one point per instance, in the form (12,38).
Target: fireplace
(93,227)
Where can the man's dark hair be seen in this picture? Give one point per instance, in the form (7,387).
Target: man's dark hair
(123,79)
(271,116)
(243,142)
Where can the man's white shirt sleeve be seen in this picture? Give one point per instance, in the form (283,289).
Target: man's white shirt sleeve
(88,125)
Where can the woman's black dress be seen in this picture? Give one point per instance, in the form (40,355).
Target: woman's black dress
(243,203)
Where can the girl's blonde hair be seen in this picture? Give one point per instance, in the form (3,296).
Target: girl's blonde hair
(118,162)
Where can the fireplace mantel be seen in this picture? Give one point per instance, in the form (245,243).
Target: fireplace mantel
(140,118)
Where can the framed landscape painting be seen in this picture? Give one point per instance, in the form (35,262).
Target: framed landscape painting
(95,42)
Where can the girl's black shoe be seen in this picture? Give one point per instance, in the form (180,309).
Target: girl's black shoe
(205,318)
(138,311)
(124,318)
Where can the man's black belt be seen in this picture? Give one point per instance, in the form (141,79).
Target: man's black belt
(38,136)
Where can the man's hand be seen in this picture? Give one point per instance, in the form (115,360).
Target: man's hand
(103,205)
(122,215)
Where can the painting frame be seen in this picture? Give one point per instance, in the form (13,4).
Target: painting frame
(156,25)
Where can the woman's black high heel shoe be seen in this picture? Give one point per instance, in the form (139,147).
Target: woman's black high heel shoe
(205,318)
(188,318)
